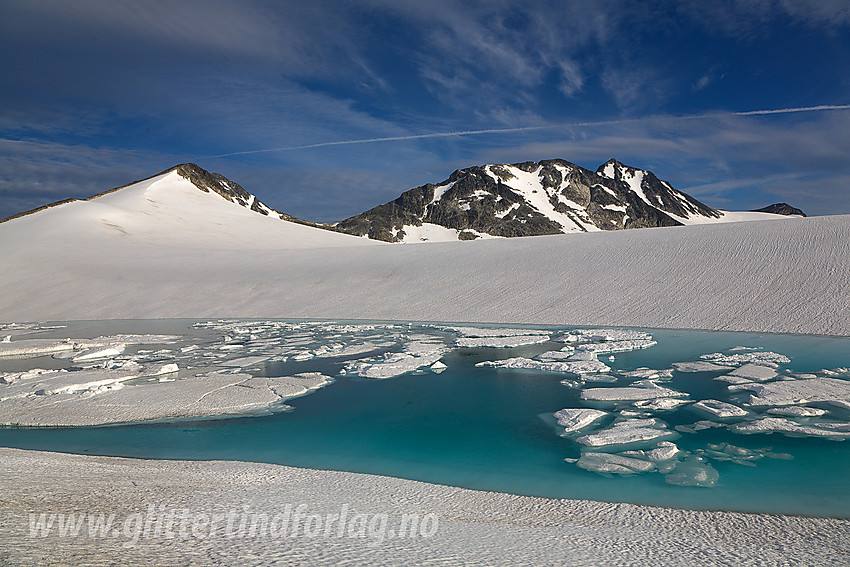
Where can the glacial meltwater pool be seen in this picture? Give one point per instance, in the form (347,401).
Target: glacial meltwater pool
(688,419)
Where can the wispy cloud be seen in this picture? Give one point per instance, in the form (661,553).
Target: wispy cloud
(458,133)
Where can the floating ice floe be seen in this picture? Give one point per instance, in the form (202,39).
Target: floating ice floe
(798,411)
(663,451)
(600,378)
(616,346)
(700,366)
(719,409)
(90,382)
(648,373)
(797,392)
(579,335)
(438,367)
(764,358)
(244,361)
(338,351)
(786,426)
(574,365)
(699,426)
(211,394)
(693,471)
(550,355)
(416,355)
(103,352)
(500,342)
(29,347)
(739,455)
(642,390)
(575,419)
(484,332)
(10,377)
(660,404)
(626,432)
(754,372)
(611,463)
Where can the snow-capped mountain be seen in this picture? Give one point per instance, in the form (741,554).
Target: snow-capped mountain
(182,207)
(534,198)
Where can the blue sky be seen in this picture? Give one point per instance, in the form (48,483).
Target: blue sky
(95,94)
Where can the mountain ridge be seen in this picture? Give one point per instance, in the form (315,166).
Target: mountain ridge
(529,198)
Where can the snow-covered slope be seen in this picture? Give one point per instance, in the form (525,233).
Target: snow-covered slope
(99,260)
(532,199)
(183,207)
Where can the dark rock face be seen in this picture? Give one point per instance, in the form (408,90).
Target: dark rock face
(233,192)
(553,196)
(780,209)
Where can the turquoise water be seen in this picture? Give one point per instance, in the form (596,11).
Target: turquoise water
(481,428)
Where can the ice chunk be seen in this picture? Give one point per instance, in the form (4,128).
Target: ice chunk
(798,411)
(599,378)
(577,335)
(616,346)
(417,355)
(798,392)
(105,352)
(792,428)
(660,404)
(645,390)
(765,358)
(570,366)
(755,372)
(610,463)
(719,409)
(735,380)
(663,451)
(339,351)
(244,361)
(693,471)
(627,431)
(648,373)
(500,342)
(28,347)
(167,369)
(550,355)
(699,366)
(484,332)
(438,367)
(574,419)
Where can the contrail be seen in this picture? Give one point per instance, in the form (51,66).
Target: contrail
(820,108)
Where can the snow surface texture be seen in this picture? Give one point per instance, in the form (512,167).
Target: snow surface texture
(475,527)
(164,249)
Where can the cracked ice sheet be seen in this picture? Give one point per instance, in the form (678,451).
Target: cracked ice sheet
(83,382)
(208,395)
